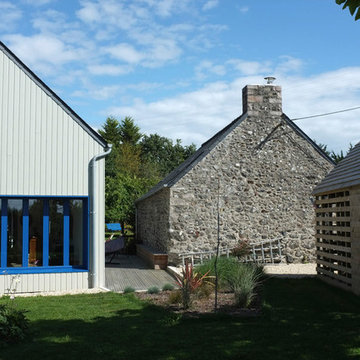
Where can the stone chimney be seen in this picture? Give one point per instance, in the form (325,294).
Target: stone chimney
(262,99)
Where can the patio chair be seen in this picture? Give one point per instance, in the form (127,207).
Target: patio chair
(114,247)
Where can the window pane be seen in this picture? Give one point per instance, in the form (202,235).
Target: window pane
(56,232)
(35,232)
(14,244)
(76,232)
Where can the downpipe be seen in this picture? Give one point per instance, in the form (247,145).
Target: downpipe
(94,255)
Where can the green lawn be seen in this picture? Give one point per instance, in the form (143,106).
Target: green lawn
(303,319)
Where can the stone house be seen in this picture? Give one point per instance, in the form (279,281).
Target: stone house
(262,167)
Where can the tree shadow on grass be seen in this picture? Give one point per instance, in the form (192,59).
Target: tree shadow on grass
(295,324)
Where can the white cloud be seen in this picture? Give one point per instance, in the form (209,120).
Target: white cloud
(10,14)
(250,67)
(289,64)
(38,2)
(196,116)
(244,9)
(42,51)
(109,69)
(109,15)
(125,52)
(165,7)
(207,67)
(89,13)
(210,4)
(146,38)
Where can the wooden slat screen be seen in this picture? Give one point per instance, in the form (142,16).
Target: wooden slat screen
(333,238)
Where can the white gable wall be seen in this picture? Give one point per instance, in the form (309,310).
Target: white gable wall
(43,151)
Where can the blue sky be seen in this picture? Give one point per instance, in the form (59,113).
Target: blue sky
(178,66)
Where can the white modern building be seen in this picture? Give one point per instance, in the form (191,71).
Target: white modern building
(51,187)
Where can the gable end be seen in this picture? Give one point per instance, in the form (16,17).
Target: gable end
(86,127)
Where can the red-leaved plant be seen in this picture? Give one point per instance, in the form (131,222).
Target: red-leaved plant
(188,282)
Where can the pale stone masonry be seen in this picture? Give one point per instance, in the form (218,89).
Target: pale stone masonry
(264,169)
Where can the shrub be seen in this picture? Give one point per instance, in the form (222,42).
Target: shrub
(205,290)
(243,280)
(129,289)
(188,282)
(153,290)
(224,265)
(239,278)
(168,287)
(13,323)
(175,297)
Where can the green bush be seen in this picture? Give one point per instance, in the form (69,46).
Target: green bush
(243,281)
(205,290)
(13,323)
(168,287)
(129,289)
(240,278)
(153,290)
(225,265)
(175,297)
(189,281)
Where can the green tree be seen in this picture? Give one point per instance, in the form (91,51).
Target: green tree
(353,5)
(163,153)
(121,192)
(337,157)
(111,131)
(136,163)
(129,132)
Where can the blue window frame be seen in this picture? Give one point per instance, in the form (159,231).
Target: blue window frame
(41,234)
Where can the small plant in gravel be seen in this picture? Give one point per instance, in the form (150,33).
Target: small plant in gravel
(129,289)
(188,282)
(153,290)
(168,287)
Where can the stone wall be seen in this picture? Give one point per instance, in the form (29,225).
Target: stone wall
(152,226)
(266,173)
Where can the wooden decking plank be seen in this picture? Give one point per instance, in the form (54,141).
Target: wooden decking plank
(132,271)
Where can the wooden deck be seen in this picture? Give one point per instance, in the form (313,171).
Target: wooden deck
(132,271)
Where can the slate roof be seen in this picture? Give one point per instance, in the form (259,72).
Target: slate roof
(94,134)
(345,174)
(173,177)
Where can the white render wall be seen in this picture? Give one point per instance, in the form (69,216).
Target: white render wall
(44,151)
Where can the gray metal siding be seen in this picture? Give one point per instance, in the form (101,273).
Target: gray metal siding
(43,150)
(36,283)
